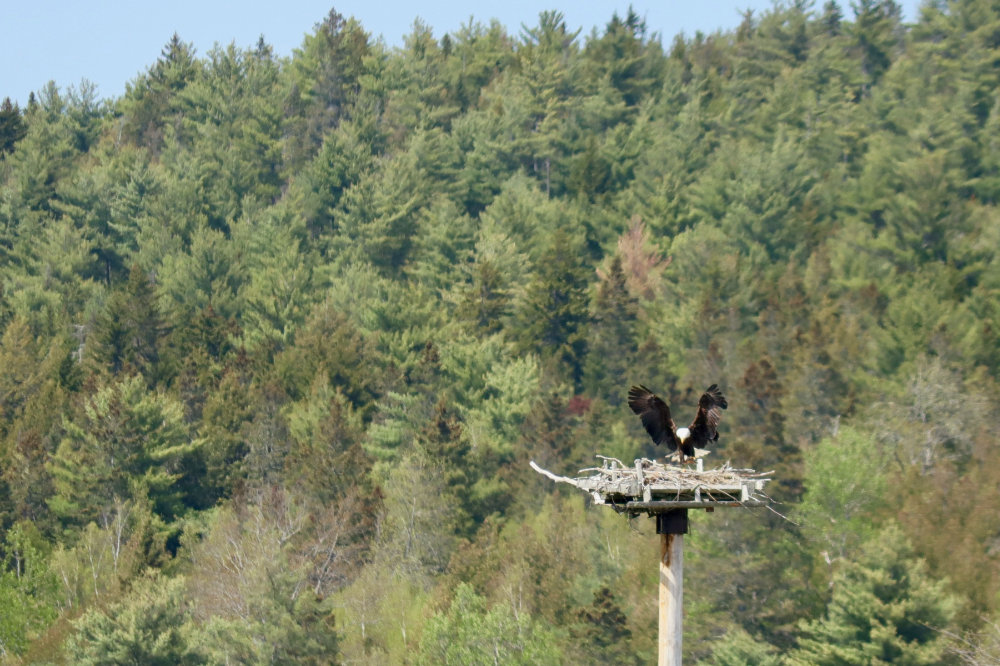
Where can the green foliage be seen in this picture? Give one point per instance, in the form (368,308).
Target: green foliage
(153,101)
(341,161)
(329,344)
(553,315)
(418,526)
(126,442)
(491,280)
(612,348)
(884,608)
(27,589)
(232,121)
(326,431)
(248,595)
(625,57)
(738,648)
(208,275)
(282,284)
(143,628)
(846,484)
(471,632)
(510,387)
(288,328)
(874,31)
(602,630)
(128,335)
(325,78)
(26,368)
(12,127)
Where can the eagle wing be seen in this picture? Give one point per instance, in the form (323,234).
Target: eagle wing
(704,428)
(655,416)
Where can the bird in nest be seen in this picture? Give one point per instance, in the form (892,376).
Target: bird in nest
(681,442)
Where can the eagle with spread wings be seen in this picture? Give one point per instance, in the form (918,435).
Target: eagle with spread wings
(655,416)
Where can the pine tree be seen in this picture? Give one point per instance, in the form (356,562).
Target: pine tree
(476,54)
(738,648)
(884,608)
(153,103)
(228,147)
(497,272)
(145,627)
(26,365)
(27,447)
(127,442)
(326,74)
(329,344)
(326,459)
(549,75)
(602,630)
(547,433)
(626,56)
(759,435)
(12,127)
(553,318)
(590,173)
(420,100)
(223,431)
(485,301)
(340,162)
(875,32)
(611,348)
(129,334)
(378,217)
(831,18)
(280,290)
(446,444)
(207,278)
(442,244)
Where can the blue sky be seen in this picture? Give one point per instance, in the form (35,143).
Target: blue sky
(109,42)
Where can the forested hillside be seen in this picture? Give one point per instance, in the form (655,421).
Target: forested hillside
(280,333)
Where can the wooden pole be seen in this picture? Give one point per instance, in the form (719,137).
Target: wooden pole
(671,527)
(671,598)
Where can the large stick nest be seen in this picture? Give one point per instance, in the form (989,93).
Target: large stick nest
(648,480)
(681,476)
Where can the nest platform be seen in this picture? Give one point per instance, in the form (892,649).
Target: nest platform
(654,487)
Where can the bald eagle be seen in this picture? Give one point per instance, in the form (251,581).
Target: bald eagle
(655,415)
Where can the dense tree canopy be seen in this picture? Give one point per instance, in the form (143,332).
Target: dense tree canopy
(279,334)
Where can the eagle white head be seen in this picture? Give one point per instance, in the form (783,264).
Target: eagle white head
(683,434)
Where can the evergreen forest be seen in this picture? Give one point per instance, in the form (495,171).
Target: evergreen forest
(280,334)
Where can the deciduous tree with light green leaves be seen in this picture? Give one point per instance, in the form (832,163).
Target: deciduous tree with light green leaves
(473,632)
